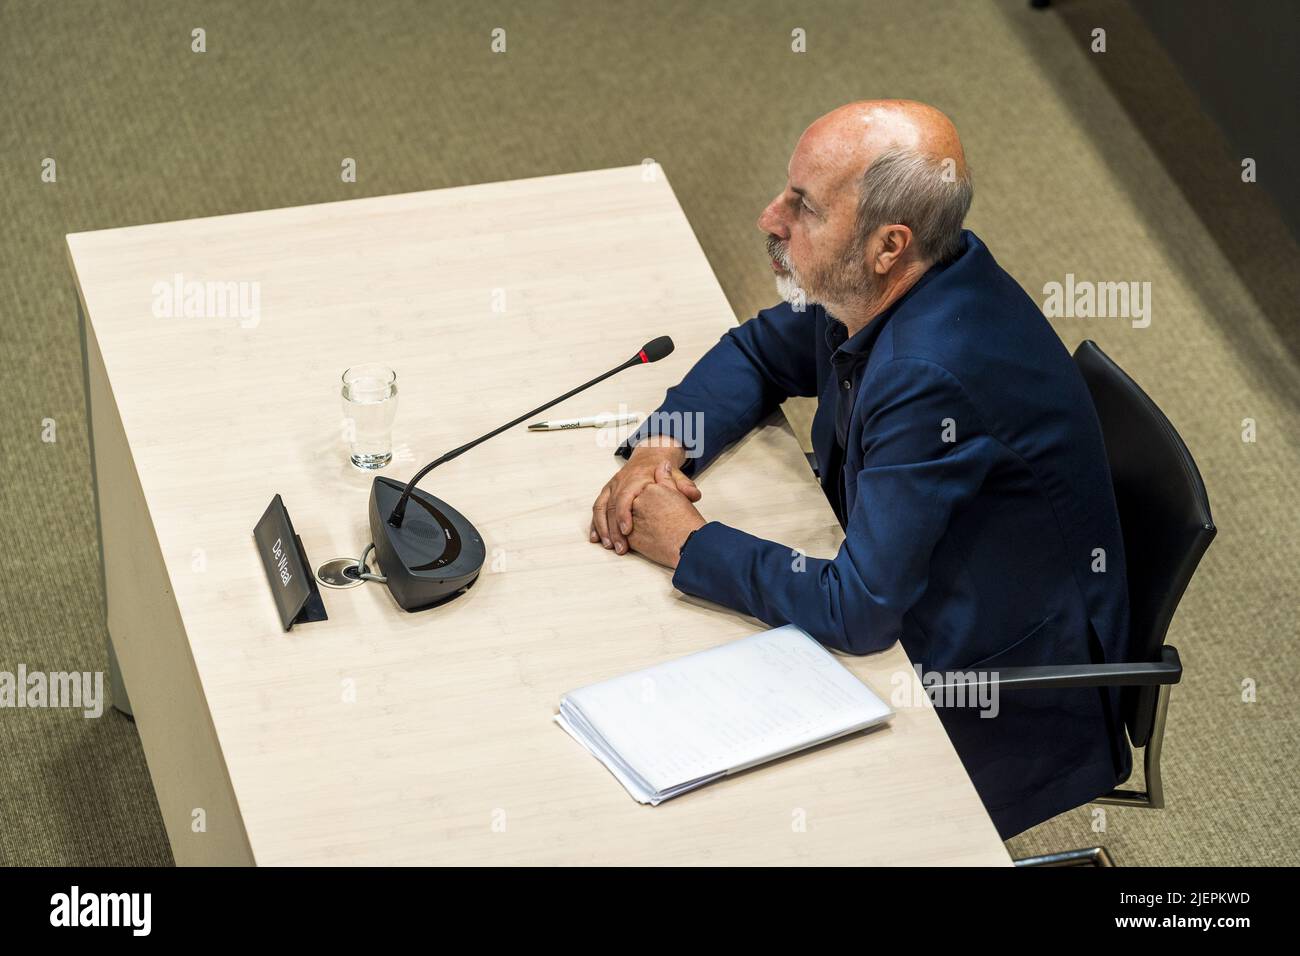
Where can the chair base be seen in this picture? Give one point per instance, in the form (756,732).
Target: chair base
(1129,798)
(1089,856)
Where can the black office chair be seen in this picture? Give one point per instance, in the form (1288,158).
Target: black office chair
(1164,514)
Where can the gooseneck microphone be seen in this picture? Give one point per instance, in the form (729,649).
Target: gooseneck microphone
(435,554)
(652,351)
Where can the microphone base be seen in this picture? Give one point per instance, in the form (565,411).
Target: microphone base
(435,556)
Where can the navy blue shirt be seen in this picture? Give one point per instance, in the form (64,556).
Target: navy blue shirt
(960,450)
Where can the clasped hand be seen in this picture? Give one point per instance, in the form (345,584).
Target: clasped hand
(649,505)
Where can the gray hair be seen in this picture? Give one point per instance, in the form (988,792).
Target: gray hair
(930,196)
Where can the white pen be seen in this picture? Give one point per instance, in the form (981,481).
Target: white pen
(595,421)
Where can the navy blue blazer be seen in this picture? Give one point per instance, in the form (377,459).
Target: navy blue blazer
(961,452)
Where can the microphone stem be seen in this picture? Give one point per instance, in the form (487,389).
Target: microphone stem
(399,510)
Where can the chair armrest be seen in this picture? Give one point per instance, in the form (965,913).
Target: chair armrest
(1168,670)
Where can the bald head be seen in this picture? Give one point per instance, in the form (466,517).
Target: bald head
(877,192)
(855,134)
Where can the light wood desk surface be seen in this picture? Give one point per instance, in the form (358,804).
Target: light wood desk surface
(385,737)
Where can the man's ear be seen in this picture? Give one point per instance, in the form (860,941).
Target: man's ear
(888,244)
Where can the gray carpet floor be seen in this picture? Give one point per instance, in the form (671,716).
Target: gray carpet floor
(144,130)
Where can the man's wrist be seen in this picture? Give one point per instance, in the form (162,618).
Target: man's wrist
(689,540)
(660,447)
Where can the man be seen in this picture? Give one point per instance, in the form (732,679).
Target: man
(957,443)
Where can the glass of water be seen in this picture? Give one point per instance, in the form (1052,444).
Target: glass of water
(369,407)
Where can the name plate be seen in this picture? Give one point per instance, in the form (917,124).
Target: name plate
(287,570)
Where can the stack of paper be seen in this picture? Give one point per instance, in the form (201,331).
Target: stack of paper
(673,727)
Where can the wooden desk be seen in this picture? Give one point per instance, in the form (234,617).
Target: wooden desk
(385,737)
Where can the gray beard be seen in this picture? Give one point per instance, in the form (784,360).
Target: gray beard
(845,277)
(790,291)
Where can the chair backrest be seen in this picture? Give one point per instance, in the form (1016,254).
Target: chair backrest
(1164,513)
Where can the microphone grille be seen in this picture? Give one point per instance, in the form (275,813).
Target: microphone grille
(656,349)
